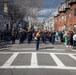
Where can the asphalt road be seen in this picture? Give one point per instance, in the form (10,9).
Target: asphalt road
(18,60)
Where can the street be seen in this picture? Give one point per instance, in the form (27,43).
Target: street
(20,59)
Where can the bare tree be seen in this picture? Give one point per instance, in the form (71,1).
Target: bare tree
(18,9)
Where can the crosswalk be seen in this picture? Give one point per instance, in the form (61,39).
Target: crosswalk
(36,60)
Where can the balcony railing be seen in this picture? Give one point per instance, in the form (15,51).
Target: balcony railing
(72,1)
(61,9)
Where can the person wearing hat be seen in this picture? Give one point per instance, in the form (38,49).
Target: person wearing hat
(45,36)
(29,35)
(20,36)
(13,35)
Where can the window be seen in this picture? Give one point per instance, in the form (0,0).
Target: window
(75,27)
(75,12)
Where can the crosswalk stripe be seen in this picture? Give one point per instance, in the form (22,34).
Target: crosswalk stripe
(34,63)
(56,59)
(38,67)
(10,60)
(72,56)
(34,59)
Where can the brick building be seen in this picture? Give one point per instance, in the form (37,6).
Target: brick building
(65,19)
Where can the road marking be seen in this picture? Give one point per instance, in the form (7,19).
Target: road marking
(35,49)
(4,49)
(34,59)
(74,50)
(10,60)
(34,64)
(72,56)
(23,49)
(38,67)
(37,52)
(56,59)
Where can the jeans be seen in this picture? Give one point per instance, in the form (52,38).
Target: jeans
(74,43)
(20,39)
(28,39)
(45,39)
(53,40)
(37,44)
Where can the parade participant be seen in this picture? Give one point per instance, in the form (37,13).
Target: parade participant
(13,36)
(53,37)
(45,36)
(20,36)
(37,37)
(29,35)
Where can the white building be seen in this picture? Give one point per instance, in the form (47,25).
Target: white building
(49,24)
(4,18)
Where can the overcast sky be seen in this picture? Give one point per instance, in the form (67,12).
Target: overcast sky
(49,7)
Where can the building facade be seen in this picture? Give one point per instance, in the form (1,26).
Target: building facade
(66,17)
(5,19)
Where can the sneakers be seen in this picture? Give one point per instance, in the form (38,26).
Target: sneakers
(67,46)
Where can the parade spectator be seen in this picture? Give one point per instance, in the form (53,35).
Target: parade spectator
(74,40)
(61,36)
(68,39)
(71,41)
(57,34)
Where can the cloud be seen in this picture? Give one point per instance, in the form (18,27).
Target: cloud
(44,12)
(41,18)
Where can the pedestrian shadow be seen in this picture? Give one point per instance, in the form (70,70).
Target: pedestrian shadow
(58,43)
(5,46)
(46,48)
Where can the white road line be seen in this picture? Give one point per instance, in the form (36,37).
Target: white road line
(74,50)
(55,49)
(72,56)
(10,60)
(37,52)
(56,59)
(38,67)
(35,49)
(23,49)
(34,59)
(4,48)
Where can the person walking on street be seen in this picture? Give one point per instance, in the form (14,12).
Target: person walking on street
(20,36)
(45,36)
(29,35)
(53,37)
(13,36)
(37,37)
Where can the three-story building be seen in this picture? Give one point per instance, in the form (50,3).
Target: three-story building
(66,20)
